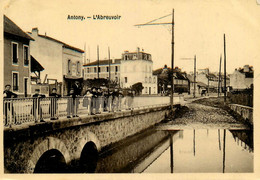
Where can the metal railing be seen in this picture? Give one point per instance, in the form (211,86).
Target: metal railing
(29,110)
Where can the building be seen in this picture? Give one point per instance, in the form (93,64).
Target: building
(132,68)
(242,78)
(101,68)
(62,62)
(138,67)
(211,80)
(181,82)
(17,58)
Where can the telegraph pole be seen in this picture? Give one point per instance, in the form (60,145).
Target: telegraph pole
(172,81)
(172,44)
(225,85)
(109,75)
(98,62)
(194,93)
(219,76)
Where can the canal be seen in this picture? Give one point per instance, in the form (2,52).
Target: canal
(181,151)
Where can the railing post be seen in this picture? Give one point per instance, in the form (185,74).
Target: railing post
(11,112)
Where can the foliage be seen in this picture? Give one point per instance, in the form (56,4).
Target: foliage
(137,87)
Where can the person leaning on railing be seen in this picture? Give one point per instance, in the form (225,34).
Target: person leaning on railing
(54,106)
(8,94)
(37,104)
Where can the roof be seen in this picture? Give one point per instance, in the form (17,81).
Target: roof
(64,44)
(11,28)
(103,62)
(35,65)
(249,74)
(201,84)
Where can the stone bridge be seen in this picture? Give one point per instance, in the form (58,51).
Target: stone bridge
(72,143)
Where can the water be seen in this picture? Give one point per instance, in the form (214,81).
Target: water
(181,151)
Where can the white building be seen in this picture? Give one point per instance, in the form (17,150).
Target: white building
(62,62)
(132,68)
(242,78)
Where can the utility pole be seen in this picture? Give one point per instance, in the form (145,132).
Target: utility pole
(194,74)
(109,75)
(219,76)
(172,45)
(225,85)
(172,81)
(98,62)
(194,93)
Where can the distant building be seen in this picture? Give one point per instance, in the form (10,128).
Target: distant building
(91,69)
(62,62)
(211,79)
(181,82)
(132,68)
(242,78)
(17,60)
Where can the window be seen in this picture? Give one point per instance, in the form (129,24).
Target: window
(107,69)
(78,67)
(116,79)
(15,81)
(26,55)
(87,70)
(145,89)
(150,79)
(95,69)
(116,69)
(145,79)
(98,69)
(69,66)
(125,79)
(15,53)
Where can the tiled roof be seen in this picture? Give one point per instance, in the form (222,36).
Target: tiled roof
(11,28)
(103,62)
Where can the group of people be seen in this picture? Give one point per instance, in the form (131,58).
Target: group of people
(95,99)
(107,100)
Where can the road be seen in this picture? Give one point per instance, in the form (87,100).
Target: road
(195,116)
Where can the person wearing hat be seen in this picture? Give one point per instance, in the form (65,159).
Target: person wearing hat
(36,104)
(54,106)
(7,95)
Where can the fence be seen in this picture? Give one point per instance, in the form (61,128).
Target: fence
(29,110)
(244,97)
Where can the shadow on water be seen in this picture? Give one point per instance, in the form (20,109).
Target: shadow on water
(162,151)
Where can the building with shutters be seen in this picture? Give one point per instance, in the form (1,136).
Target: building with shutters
(62,62)
(133,67)
(17,58)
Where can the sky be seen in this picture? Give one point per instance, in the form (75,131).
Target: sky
(199,27)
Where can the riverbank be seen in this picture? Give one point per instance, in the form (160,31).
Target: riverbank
(203,113)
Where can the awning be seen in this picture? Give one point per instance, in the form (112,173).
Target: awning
(35,65)
(73,77)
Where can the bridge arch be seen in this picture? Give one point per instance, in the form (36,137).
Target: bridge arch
(48,147)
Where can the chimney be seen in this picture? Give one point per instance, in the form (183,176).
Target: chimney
(35,31)
(246,68)
(138,50)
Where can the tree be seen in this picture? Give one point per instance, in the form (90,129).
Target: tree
(137,87)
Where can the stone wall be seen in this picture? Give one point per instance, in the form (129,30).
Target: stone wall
(23,146)
(245,112)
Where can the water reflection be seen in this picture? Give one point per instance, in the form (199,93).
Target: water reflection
(202,150)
